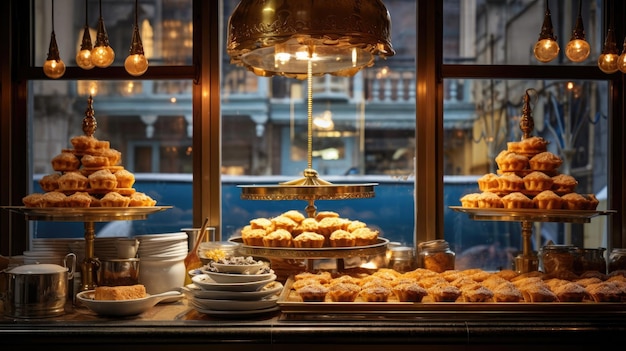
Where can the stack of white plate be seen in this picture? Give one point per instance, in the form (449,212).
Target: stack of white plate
(48,250)
(162,266)
(105,248)
(232,294)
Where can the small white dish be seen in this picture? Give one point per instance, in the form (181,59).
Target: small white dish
(237,278)
(269,289)
(204,281)
(235,305)
(125,307)
(236,314)
(238,268)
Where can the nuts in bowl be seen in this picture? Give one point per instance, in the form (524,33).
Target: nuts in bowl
(238,265)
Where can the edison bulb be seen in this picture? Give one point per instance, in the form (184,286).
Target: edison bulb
(102,56)
(621,62)
(608,63)
(136,64)
(546,50)
(577,50)
(54,68)
(83,59)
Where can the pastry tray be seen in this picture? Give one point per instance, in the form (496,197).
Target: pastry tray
(86,214)
(313,253)
(290,303)
(533,215)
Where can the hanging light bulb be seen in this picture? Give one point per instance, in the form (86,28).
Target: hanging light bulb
(102,54)
(607,61)
(621,60)
(578,49)
(136,63)
(83,57)
(546,48)
(54,66)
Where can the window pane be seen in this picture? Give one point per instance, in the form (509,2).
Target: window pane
(571,115)
(505,32)
(165,28)
(366,133)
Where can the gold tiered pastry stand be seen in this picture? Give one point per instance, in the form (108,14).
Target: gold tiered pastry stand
(88,215)
(527,261)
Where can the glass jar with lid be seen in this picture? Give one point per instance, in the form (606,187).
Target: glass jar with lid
(435,255)
(401,259)
(590,259)
(557,258)
(617,260)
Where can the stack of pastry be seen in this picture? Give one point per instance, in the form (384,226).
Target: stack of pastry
(293,229)
(528,177)
(470,285)
(88,175)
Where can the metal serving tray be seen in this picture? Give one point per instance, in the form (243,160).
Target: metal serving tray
(315,253)
(86,214)
(531,214)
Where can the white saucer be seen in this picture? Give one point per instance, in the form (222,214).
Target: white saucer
(236,314)
(272,288)
(205,282)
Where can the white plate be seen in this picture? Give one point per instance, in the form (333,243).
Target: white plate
(205,282)
(161,237)
(234,305)
(272,288)
(236,314)
(229,278)
(237,268)
(125,307)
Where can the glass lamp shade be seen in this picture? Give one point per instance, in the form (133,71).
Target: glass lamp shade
(621,62)
(54,68)
(577,50)
(136,64)
(83,59)
(546,50)
(278,37)
(102,56)
(608,63)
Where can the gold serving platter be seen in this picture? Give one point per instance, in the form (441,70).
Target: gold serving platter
(290,303)
(307,192)
(86,214)
(531,215)
(313,253)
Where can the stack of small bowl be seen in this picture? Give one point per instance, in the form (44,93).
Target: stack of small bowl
(162,261)
(234,286)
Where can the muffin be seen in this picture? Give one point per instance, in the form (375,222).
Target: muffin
(532,146)
(50,182)
(72,181)
(33,200)
(91,161)
(548,200)
(365,236)
(78,199)
(284,222)
(322,277)
(308,240)
(545,161)
(83,143)
(444,292)
(517,200)
(510,182)
(514,146)
(95,202)
(328,225)
(114,199)
(592,201)
(375,293)
(53,199)
(342,238)
(488,182)
(294,215)
(278,238)
(409,292)
(262,223)
(536,182)
(307,225)
(141,199)
(323,214)
(65,162)
(343,292)
(253,237)
(354,225)
(470,200)
(102,145)
(574,201)
(113,155)
(510,161)
(488,199)
(563,184)
(102,180)
(125,179)
(476,293)
(313,293)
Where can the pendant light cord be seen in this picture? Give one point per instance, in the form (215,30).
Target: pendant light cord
(86,12)
(136,10)
(52,16)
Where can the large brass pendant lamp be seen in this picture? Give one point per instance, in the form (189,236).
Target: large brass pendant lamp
(301,39)
(277,37)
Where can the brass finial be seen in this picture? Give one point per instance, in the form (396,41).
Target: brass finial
(89,121)
(526,123)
